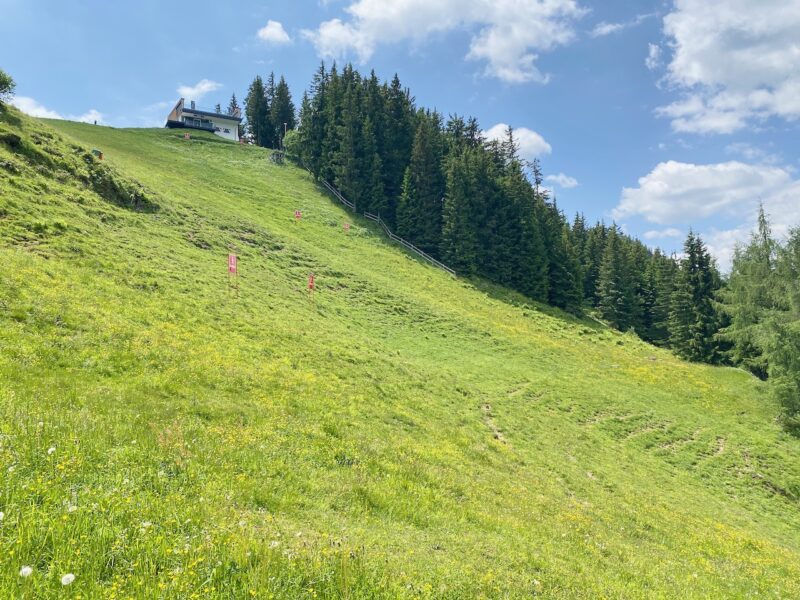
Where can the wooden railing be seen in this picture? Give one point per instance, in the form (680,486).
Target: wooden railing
(408,245)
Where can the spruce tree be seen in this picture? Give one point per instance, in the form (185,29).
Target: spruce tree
(460,244)
(282,112)
(399,137)
(694,322)
(750,297)
(615,291)
(256,110)
(419,210)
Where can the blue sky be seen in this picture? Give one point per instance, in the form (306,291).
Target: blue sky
(659,115)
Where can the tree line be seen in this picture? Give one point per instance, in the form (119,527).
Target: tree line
(269,111)
(479,207)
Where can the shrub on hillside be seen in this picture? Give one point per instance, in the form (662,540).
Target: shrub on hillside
(7,86)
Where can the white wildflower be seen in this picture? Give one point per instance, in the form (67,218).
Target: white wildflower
(67,579)
(50,450)
(274,544)
(2,515)
(11,469)
(72,508)
(25,571)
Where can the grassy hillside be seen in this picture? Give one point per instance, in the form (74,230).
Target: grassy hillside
(400,434)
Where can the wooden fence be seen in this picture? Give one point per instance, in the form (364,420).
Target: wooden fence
(407,245)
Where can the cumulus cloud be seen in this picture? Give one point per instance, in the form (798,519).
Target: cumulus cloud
(531,144)
(273,33)
(562,180)
(737,62)
(686,194)
(33,108)
(200,89)
(660,234)
(509,36)
(676,192)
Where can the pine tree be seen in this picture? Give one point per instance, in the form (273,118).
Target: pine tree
(591,260)
(233,106)
(256,110)
(399,132)
(783,344)
(460,245)
(419,210)
(694,322)
(615,290)
(374,199)
(270,127)
(282,112)
(750,298)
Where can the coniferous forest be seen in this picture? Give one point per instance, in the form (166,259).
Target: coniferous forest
(479,207)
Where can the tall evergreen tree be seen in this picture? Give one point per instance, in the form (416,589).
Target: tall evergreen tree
(460,243)
(615,289)
(419,210)
(282,112)
(256,110)
(694,322)
(750,297)
(399,137)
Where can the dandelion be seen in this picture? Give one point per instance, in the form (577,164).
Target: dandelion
(50,450)
(25,571)
(67,579)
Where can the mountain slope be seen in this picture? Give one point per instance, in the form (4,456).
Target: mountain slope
(400,433)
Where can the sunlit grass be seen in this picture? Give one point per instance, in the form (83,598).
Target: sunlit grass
(399,434)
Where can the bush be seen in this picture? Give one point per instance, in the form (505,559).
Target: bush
(7,86)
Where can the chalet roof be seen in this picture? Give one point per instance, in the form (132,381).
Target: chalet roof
(207,113)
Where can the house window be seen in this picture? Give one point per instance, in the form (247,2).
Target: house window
(227,130)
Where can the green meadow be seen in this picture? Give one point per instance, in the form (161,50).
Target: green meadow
(168,431)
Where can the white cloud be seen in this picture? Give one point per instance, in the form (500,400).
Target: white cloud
(653,60)
(685,194)
(274,33)
(660,234)
(90,116)
(603,29)
(752,153)
(676,192)
(509,34)
(531,144)
(736,60)
(200,89)
(33,108)
(562,180)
